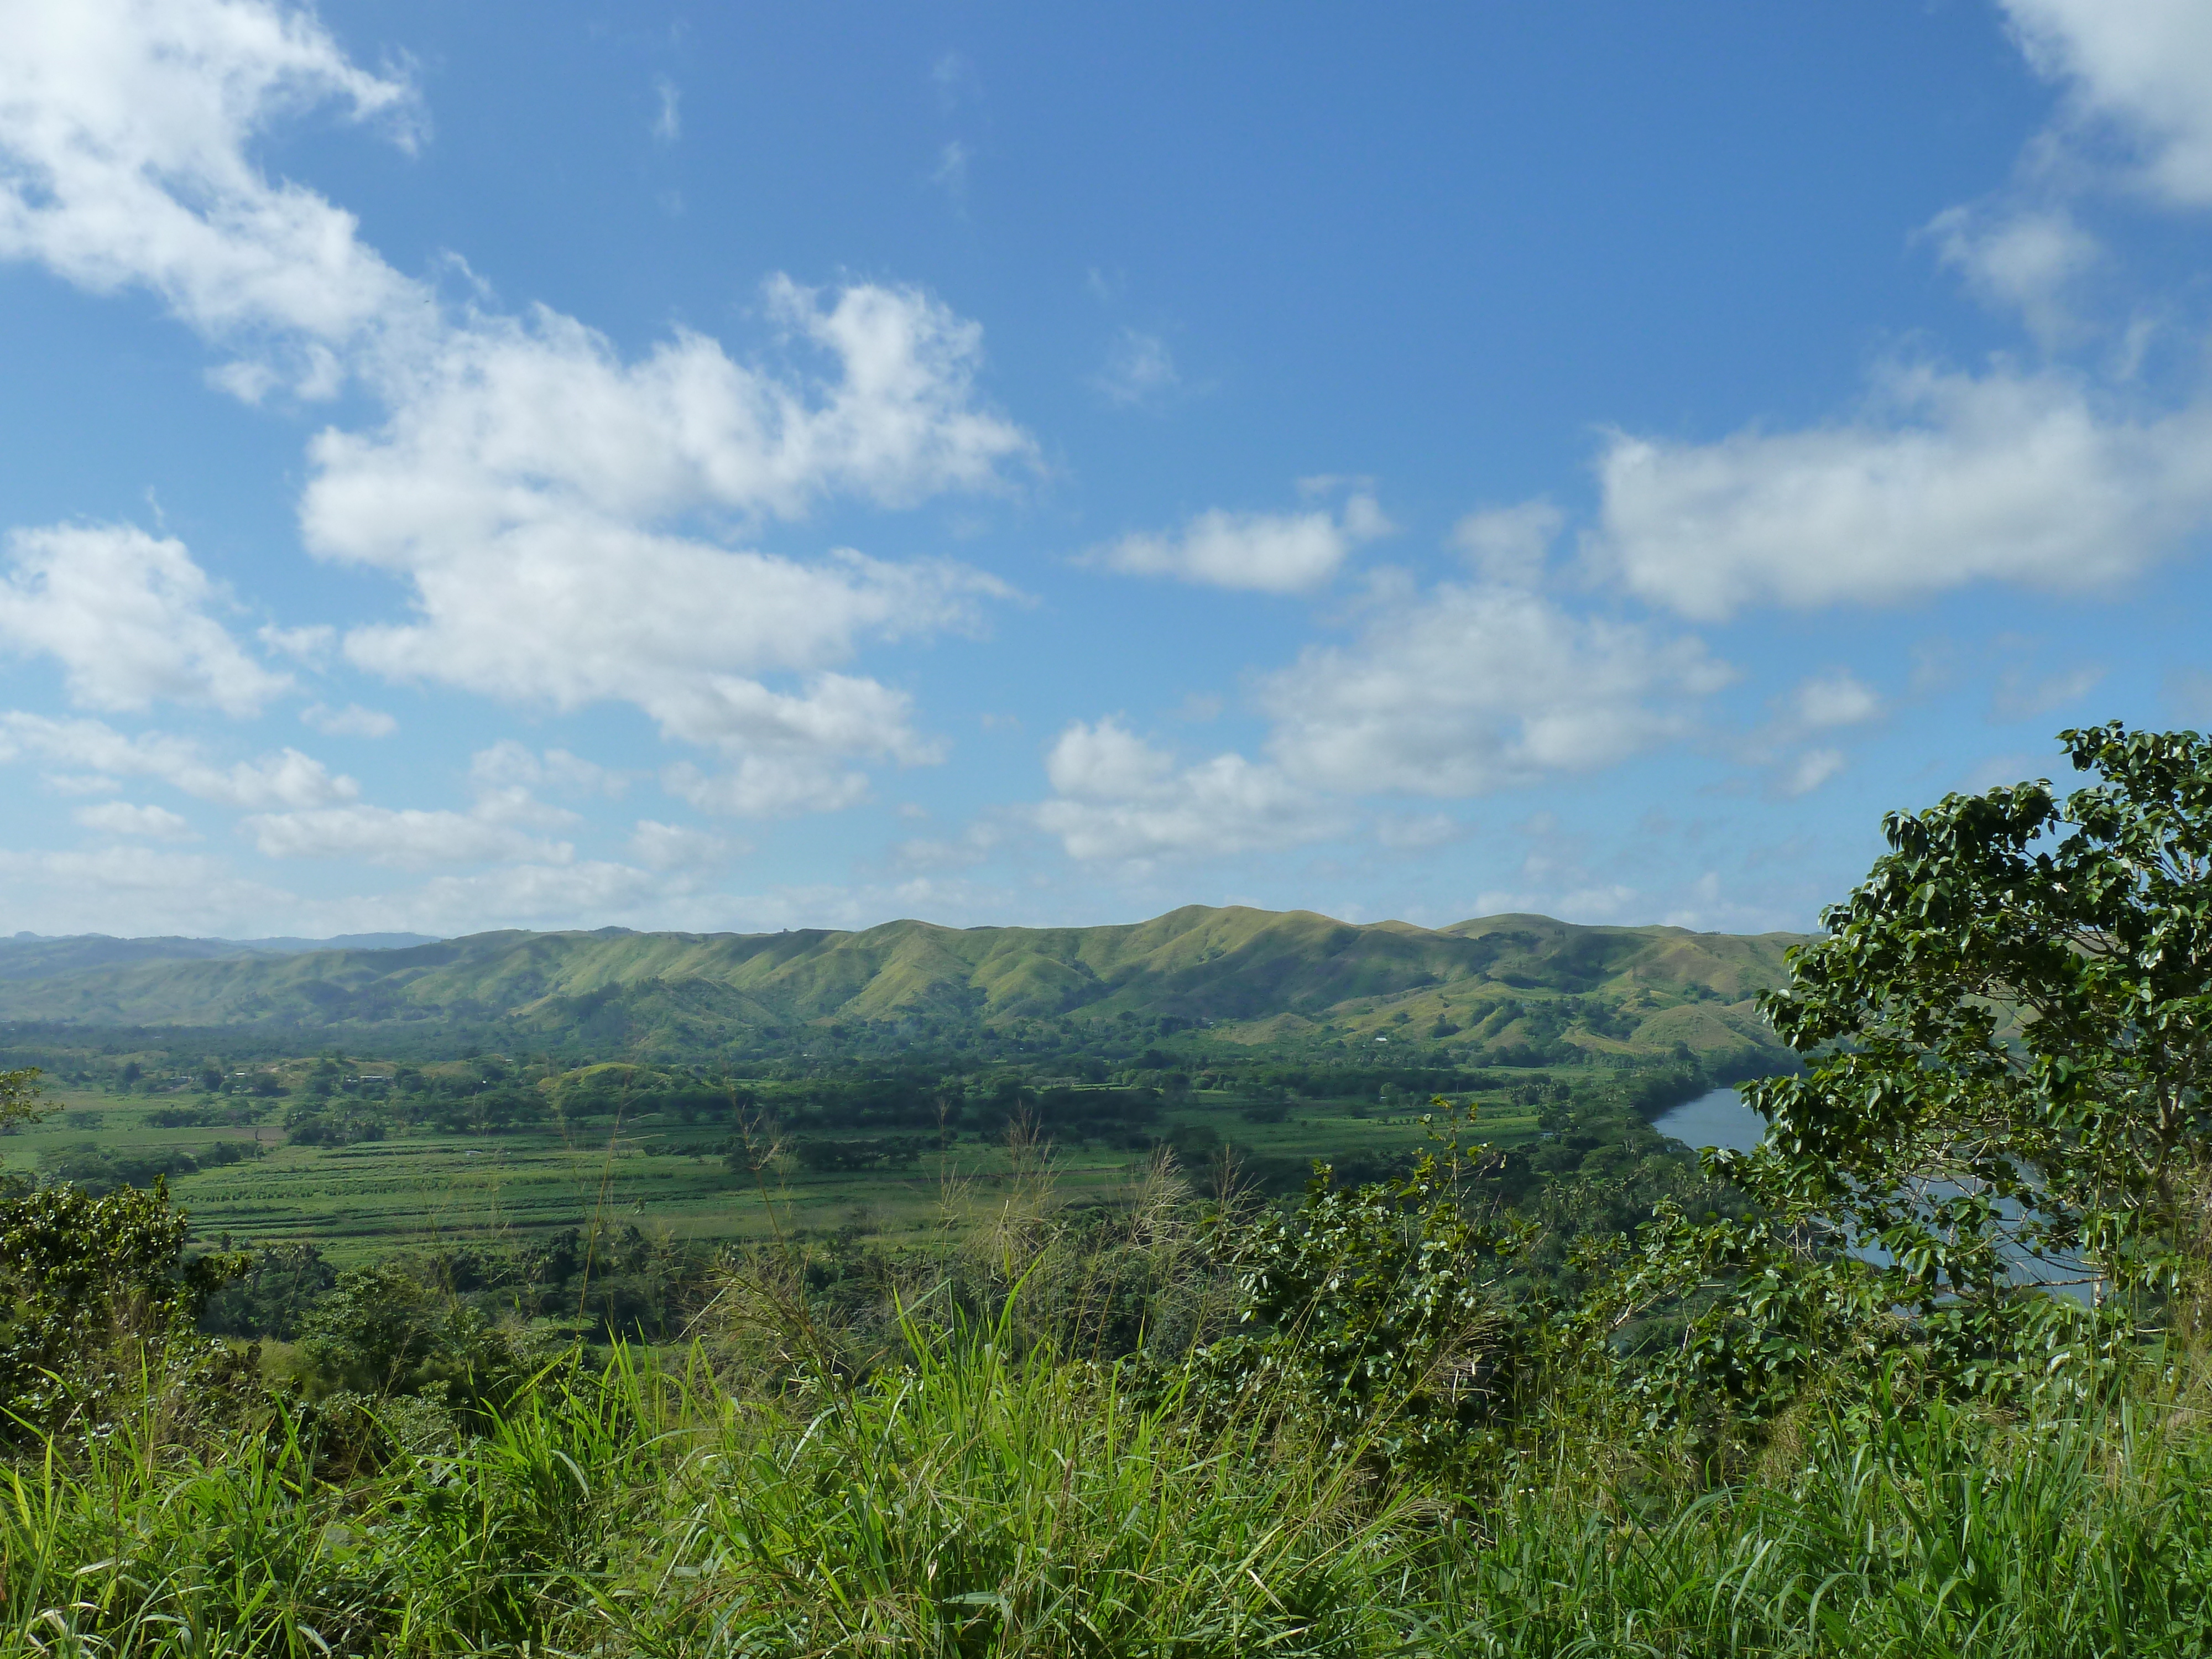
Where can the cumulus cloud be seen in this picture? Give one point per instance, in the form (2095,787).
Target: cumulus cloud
(125,128)
(1508,544)
(350,721)
(1836,698)
(2026,259)
(1944,478)
(1474,686)
(560,513)
(519,489)
(1947,479)
(126,616)
(2141,72)
(676,847)
(513,422)
(1261,552)
(1118,797)
(1810,770)
(1419,832)
(286,778)
(768,785)
(117,817)
(411,839)
(508,765)
(1459,690)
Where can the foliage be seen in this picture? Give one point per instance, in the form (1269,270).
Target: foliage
(988,1502)
(20,1098)
(382,1333)
(282,1284)
(1376,1314)
(2006,1032)
(92,1292)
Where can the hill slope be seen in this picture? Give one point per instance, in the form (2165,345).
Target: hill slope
(1505,984)
(34,956)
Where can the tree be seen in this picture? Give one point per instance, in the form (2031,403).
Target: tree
(94,1291)
(20,1099)
(2007,1037)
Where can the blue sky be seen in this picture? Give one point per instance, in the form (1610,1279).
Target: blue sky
(737,468)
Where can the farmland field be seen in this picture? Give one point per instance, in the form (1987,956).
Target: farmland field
(363,1199)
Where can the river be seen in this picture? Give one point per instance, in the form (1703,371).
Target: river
(1720,1118)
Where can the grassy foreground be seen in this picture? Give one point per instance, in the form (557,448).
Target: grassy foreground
(972,1502)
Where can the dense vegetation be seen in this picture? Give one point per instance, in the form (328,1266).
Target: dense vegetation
(1574,1395)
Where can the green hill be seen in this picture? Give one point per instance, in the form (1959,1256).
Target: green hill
(1499,986)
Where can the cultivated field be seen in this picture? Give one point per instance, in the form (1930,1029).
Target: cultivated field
(362,1198)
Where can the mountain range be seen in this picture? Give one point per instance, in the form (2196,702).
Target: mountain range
(1239,976)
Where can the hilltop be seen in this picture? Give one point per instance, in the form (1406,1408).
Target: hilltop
(1509,989)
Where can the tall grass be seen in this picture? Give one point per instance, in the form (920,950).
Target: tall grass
(1929,1536)
(977,1503)
(967,1471)
(981,1503)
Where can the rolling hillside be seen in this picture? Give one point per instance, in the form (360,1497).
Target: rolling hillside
(1499,984)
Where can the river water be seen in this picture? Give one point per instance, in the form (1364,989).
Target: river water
(1721,1119)
(1718,1119)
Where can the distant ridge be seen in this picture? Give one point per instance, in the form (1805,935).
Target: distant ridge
(1522,983)
(39,955)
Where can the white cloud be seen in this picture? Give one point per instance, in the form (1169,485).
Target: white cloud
(545,498)
(509,765)
(951,174)
(1471,687)
(310,644)
(2026,260)
(1262,552)
(519,486)
(1417,832)
(768,785)
(126,127)
(542,896)
(1810,770)
(2141,69)
(1835,698)
(286,778)
(1120,798)
(674,847)
(406,840)
(953,74)
(1610,901)
(972,847)
(1455,691)
(1139,367)
(117,817)
(513,423)
(1508,544)
(136,890)
(350,721)
(668,123)
(1948,479)
(126,615)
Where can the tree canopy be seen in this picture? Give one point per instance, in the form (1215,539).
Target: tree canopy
(2004,1032)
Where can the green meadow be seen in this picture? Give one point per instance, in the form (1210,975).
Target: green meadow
(671,1180)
